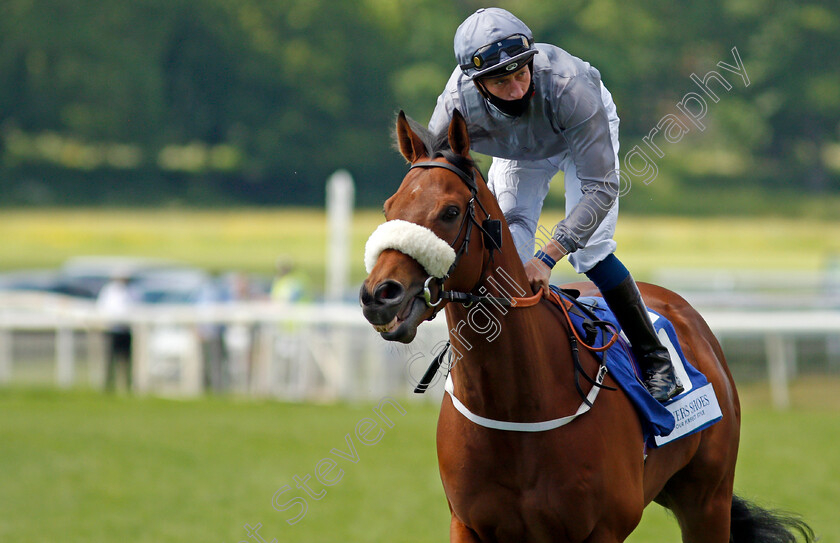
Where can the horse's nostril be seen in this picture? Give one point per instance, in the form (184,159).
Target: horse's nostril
(388,292)
(365,297)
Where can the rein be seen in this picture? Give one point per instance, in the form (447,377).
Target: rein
(466,298)
(530,301)
(491,231)
(493,241)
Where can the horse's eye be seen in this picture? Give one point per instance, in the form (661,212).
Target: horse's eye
(450,213)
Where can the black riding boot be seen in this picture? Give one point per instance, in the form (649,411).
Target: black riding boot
(626,303)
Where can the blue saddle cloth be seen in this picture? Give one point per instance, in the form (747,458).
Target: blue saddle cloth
(694,409)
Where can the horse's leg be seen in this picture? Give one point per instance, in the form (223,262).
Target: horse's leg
(459,533)
(704,521)
(701,500)
(700,494)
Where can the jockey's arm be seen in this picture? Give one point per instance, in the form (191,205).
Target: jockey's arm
(587,133)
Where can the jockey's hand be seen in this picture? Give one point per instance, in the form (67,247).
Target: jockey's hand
(538,274)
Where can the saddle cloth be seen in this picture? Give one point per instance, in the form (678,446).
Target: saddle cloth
(693,410)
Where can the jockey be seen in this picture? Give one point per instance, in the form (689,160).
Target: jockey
(537,110)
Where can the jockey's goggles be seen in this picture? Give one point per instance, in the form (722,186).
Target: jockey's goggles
(489,56)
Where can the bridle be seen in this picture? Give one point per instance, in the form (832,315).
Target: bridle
(492,234)
(491,230)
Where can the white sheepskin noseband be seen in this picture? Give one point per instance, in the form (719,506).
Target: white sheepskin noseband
(418,242)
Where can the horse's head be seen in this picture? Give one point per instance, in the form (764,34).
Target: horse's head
(427,239)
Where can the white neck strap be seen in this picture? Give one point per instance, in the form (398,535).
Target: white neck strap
(526,426)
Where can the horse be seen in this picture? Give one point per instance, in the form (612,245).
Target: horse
(587,481)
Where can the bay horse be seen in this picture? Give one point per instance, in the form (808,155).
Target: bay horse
(586,481)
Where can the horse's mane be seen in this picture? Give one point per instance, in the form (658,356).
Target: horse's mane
(437,145)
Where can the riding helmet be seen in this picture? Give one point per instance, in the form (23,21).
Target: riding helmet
(491,42)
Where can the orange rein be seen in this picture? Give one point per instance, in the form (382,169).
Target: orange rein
(530,301)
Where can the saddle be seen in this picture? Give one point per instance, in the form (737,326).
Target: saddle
(695,409)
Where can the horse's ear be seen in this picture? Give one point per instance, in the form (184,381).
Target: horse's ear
(411,146)
(459,137)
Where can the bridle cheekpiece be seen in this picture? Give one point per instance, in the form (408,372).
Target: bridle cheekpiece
(491,230)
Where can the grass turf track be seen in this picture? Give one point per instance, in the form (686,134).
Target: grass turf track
(84,467)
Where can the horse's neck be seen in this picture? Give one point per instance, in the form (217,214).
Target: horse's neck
(508,360)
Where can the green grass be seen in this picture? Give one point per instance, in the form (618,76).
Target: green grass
(83,467)
(253,239)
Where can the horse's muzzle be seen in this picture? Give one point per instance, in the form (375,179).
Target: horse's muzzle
(381,306)
(391,311)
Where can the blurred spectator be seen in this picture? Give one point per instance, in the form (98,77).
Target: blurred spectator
(289,284)
(212,336)
(239,338)
(114,303)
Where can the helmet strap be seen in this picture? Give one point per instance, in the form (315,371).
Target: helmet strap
(482,90)
(511,108)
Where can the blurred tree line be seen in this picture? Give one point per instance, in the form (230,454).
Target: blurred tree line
(228,102)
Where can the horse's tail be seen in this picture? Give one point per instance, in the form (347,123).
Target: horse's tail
(753,524)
